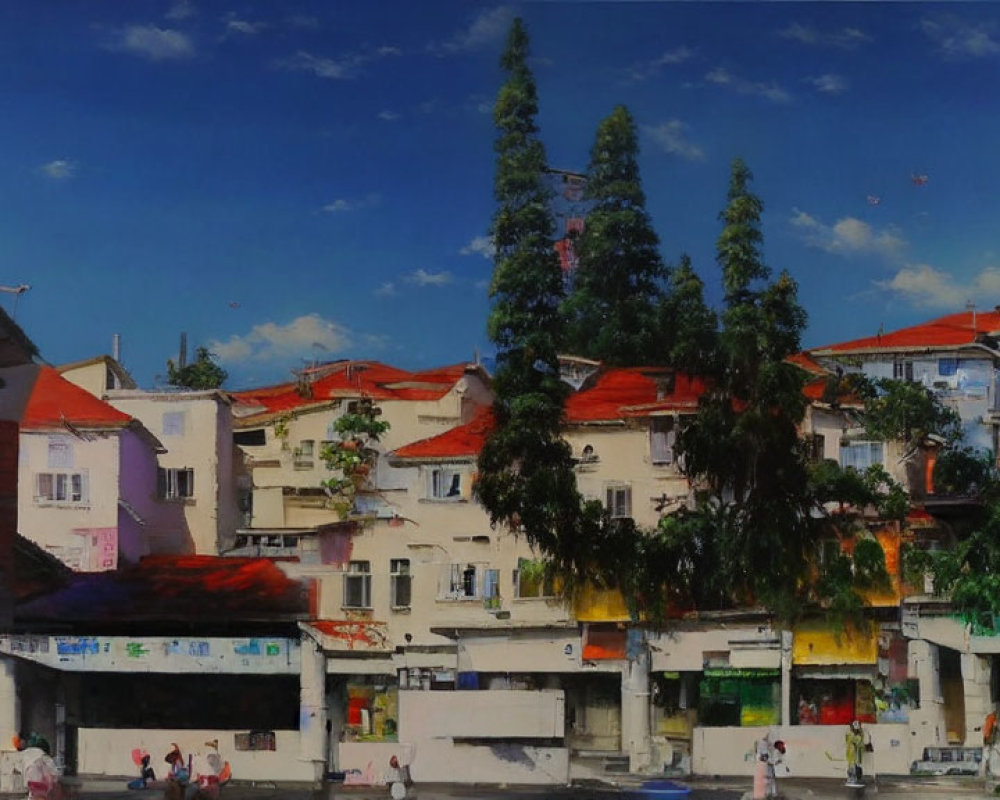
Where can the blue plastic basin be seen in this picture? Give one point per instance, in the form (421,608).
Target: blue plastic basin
(662,789)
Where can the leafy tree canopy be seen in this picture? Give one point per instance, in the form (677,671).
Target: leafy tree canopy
(202,373)
(618,284)
(526,479)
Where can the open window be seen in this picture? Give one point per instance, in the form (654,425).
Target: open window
(445,484)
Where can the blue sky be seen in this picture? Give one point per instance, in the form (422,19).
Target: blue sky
(313,180)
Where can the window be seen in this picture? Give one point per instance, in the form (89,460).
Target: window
(174,483)
(461,581)
(661,440)
(491,588)
(254,438)
(902,370)
(61,487)
(619,501)
(60,452)
(399,582)
(445,484)
(860,455)
(358,585)
(173,423)
(532,579)
(815,447)
(304,454)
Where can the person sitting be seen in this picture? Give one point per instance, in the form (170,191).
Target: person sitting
(146,774)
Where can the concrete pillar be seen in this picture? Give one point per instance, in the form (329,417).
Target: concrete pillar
(636,741)
(786,678)
(927,728)
(10,705)
(312,706)
(976,686)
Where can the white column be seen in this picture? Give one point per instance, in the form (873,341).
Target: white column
(10,706)
(312,706)
(636,740)
(786,678)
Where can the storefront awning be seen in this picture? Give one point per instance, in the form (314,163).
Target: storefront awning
(846,672)
(359,638)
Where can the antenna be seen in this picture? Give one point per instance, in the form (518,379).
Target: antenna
(970,306)
(17,291)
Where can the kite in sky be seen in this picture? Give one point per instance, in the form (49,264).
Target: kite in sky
(918,180)
(874,199)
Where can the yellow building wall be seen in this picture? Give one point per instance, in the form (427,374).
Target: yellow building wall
(821,645)
(593,604)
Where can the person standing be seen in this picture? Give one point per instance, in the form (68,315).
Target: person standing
(855,745)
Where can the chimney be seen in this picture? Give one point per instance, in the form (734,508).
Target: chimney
(116,346)
(182,357)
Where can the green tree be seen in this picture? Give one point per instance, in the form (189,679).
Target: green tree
(968,573)
(526,479)
(743,443)
(618,283)
(905,411)
(202,373)
(689,328)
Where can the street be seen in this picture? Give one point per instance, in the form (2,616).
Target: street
(701,789)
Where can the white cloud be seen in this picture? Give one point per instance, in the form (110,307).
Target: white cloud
(675,56)
(388,115)
(720,76)
(829,84)
(422,277)
(670,135)
(59,170)
(483,245)
(489,27)
(846,38)
(647,69)
(182,9)
(848,236)
(335,69)
(269,341)
(341,204)
(386,289)
(320,67)
(923,286)
(156,44)
(245,27)
(958,39)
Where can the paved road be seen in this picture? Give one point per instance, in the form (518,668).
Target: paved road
(701,789)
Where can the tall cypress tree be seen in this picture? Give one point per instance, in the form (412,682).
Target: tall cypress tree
(618,283)
(526,478)
(688,327)
(744,440)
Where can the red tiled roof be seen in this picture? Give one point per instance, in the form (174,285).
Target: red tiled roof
(197,588)
(55,401)
(621,393)
(353,379)
(463,441)
(808,363)
(953,330)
